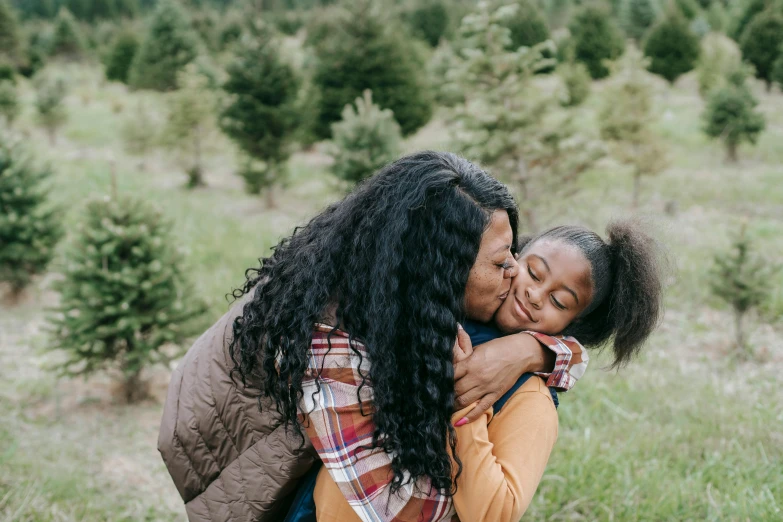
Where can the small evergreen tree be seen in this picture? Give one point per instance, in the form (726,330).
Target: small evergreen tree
(445,93)
(365,140)
(730,116)
(366,52)
(761,43)
(718,18)
(49,102)
(626,117)
(124,294)
(576,81)
(168,46)
(67,41)
(639,16)
(260,113)
(672,48)
(742,280)
(121,56)
(10,40)
(192,111)
(751,9)
(429,21)
(595,39)
(777,69)
(527,25)
(720,57)
(525,139)
(29,226)
(9,102)
(139,132)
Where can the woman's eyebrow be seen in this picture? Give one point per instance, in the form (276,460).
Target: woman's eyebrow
(503,248)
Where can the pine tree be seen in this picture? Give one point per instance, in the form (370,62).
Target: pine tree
(10,40)
(366,139)
(720,57)
(777,69)
(639,16)
(49,102)
(528,25)
(730,116)
(29,226)
(595,38)
(429,21)
(67,41)
(576,82)
(672,48)
(260,115)
(168,46)
(192,112)
(9,102)
(121,56)
(139,132)
(367,53)
(626,117)
(526,140)
(761,43)
(124,294)
(751,10)
(741,279)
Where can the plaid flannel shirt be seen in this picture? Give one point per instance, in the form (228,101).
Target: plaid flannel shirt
(332,412)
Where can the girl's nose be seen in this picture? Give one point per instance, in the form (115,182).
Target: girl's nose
(533,298)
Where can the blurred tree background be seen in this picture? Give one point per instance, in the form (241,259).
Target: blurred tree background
(152,150)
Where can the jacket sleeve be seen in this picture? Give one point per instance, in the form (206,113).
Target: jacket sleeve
(336,413)
(571,360)
(503,460)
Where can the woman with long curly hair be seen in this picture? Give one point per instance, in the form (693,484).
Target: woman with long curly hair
(344,338)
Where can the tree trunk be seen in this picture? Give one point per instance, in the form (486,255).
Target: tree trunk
(637,185)
(52,136)
(731,152)
(269,196)
(134,389)
(740,335)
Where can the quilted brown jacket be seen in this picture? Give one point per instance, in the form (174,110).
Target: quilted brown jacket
(229,460)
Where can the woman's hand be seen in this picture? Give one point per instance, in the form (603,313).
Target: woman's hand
(463,348)
(492,368)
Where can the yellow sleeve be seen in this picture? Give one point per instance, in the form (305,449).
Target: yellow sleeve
(503,460)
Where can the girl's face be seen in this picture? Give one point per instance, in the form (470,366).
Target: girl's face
(553,286)
(490,277)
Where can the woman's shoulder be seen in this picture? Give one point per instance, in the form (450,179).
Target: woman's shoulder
(333,352)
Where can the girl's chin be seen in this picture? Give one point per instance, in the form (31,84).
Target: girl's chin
(510,325)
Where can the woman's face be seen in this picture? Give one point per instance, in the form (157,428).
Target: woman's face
(552,287)
(490,278)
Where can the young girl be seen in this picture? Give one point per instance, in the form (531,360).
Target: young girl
(570,282)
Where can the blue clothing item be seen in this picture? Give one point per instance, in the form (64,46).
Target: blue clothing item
(303,507)
(481,333)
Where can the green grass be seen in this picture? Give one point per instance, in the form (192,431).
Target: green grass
(688,432)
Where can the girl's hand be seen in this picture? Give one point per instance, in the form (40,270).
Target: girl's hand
(463,348)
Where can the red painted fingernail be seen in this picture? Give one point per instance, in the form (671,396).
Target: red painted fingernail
(461,422)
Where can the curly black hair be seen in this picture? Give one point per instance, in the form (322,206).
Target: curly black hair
(627,277)
(392,261)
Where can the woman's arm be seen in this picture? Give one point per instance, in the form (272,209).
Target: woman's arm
(503,460)
(496,365)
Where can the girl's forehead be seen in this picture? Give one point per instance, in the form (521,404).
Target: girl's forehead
(561,259)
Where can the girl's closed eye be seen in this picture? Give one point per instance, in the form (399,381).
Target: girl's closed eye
(533,275)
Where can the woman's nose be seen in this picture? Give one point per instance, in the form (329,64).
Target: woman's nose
(512,270)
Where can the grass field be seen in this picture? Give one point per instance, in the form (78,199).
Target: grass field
(688,432)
